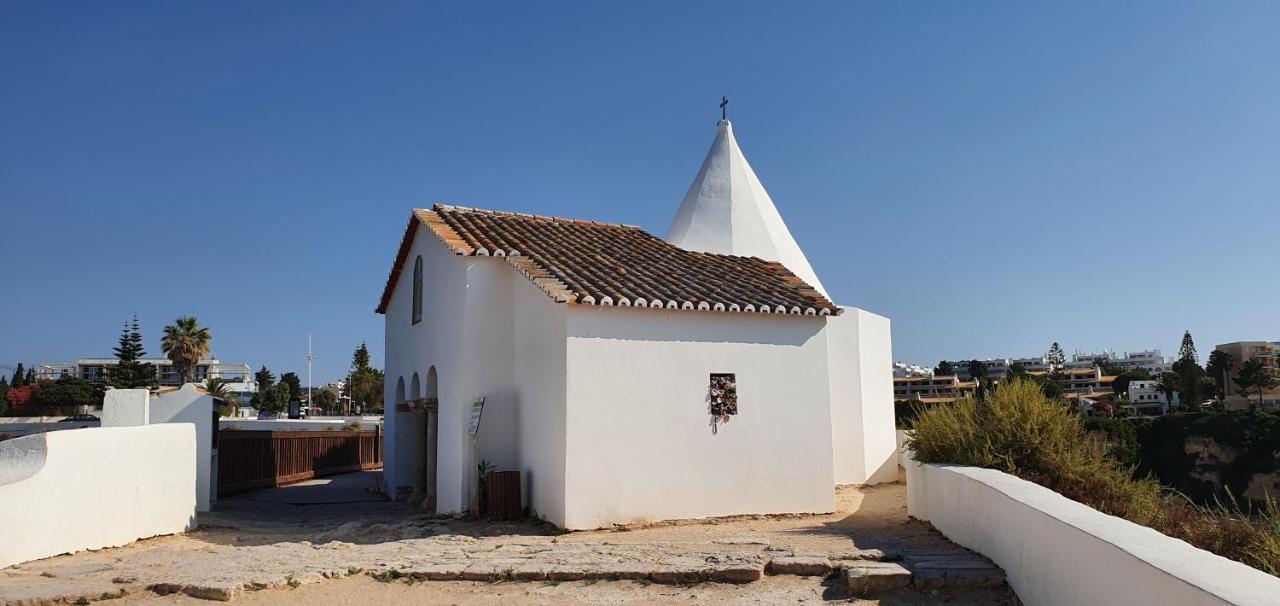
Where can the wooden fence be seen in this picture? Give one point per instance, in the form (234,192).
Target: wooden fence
(251,460)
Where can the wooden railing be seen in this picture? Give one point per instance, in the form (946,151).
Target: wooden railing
(252,460)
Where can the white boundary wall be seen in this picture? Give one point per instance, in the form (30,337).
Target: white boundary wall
(66,491)
(1056,551)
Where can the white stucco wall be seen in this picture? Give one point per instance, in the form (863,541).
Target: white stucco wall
(539,374)
(640,444)
(187,404)
(860,355)
(415,348)
(490,333)
(67,491)
(1057,552)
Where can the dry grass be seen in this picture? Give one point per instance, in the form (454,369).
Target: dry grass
(1020,431)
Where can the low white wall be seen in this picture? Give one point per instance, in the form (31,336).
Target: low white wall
(335,423)
(66,491)
(1056,551)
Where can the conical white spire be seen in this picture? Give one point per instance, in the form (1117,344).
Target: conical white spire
(727,211)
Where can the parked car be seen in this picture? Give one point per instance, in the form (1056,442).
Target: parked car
(80,419)
(264,415)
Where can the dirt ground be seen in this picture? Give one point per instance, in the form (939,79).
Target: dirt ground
(364,590)
(288,544)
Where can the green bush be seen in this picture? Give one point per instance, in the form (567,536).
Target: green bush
(1018,430)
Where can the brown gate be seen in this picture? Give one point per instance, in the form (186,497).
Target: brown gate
(251,460)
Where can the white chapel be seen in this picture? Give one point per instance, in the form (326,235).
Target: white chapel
(631,378)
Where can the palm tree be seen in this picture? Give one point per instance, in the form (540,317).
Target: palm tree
(185,342)
(218,389)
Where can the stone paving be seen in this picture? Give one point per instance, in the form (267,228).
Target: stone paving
(250,546)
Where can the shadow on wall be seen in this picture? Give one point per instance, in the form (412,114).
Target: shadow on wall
(661,325)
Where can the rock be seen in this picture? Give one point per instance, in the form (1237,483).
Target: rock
(956,572)
(802,566)
(865,578)
(737,572)
(872,555)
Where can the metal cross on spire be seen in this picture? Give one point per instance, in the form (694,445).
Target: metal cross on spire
(724,101)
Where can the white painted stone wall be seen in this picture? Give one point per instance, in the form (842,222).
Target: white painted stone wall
(1057,552)
(640,441)
(68,491)
(860,355)
(187,404)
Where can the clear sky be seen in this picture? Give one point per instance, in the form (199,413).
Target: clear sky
(991,176)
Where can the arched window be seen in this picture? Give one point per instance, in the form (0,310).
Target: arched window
(417,290)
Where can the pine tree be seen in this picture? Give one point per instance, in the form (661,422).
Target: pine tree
(130,372)
(1190,374)
(1187,351)
(1056,358)
(360,359)
(19,376)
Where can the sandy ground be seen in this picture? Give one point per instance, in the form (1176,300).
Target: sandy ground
(361,590)
(274,532)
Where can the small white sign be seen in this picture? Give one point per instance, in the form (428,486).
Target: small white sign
(477,409)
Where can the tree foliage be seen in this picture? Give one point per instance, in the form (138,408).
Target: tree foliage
(944,369)
(130,372)
(1254,377)
(185,343)
(20,399)
(4,401)
(326,400)
(1219,368)
(275,399)
(294,383)
(364,383)
(19,376)
(1056,358)
(66,396)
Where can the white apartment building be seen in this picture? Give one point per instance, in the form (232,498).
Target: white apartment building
(1152,360)
(1144,398)
(902,370)
(237,376)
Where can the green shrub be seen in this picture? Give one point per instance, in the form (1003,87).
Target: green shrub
(1018,430)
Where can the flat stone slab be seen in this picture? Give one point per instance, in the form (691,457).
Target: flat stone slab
(956,572)
(806,566)
(866,578)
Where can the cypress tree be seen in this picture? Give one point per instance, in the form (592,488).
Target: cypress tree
(19,377)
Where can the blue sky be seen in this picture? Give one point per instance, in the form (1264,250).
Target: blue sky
(992,176)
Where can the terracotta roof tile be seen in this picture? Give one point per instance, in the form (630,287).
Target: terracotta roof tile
(594,263)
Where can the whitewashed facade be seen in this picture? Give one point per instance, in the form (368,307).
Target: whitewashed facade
(603,405)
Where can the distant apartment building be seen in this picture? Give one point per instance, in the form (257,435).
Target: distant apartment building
(1242,351)
(997,368)
(1082,380)
(238,377)
(903,370)
(1145,399)
(938,389)
(1152,361)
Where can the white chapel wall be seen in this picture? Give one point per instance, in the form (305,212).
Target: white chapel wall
(539,373)
(416,348)
(640,444)
(862,425)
